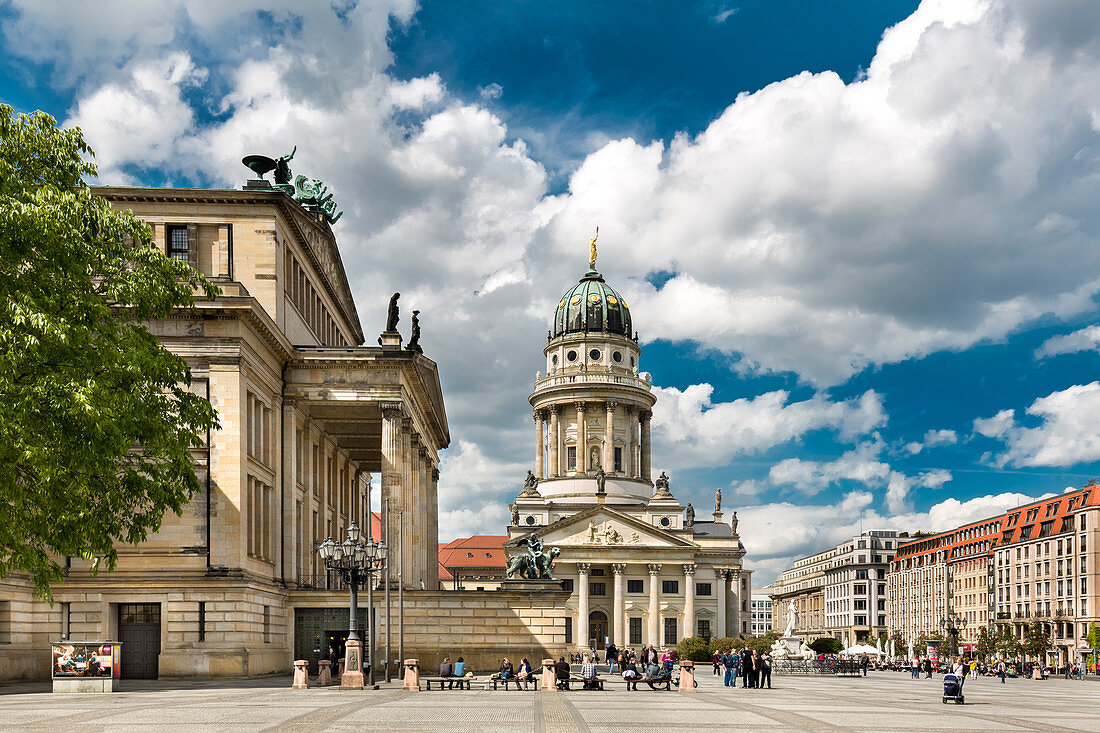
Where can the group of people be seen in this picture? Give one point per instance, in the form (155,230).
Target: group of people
(450,669)
(648,665)
(521,676)
(754,668)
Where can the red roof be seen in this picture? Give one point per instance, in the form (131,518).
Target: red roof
(479,551)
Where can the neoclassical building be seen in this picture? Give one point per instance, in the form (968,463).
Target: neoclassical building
(639,568)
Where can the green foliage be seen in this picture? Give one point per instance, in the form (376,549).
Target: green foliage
(1008,646)
(761,643)
(82,381)
(1037,641)
(920,645)
(827,645)
(987,642)
(1094,636)
(900,647)
(694,648)
(724,644)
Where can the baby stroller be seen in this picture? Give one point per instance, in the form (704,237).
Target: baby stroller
(953,689)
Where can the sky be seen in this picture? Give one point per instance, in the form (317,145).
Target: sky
(859,239)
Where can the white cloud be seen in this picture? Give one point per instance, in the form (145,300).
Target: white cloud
(692,431)
(1067,432)
(1085,339)
(776,534)
(811,477)
(490,91)
(932,439)
(723,15)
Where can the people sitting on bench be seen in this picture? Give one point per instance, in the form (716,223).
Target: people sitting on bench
(507,673)
(561,671)
(656,674)
(523,674)
(588,674)
(446,669)
(630,674)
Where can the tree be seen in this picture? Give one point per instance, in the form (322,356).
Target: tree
(987,642)
(761,643)
(1037,641)
(899,644)
(1008,646)
(920,645)
(827,645)
(694,648)
(96,419)
(724,644)
(1093,640)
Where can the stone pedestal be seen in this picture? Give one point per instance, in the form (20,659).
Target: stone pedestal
(352,678)
(301,675)
(687,676)
(324,677)
(390,340)
(549,678)
(412,676)
(85,684)
(792,644)
(523,584)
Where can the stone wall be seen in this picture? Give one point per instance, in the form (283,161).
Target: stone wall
(480,626)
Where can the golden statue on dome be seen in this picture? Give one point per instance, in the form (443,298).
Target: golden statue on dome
(592,249)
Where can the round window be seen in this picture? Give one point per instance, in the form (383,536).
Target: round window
(554,360)
(665,522)
(561,303)
(594,354)
(612,300)
(571,355)
(530,520)
(593,298)
(575,299)
(617,356)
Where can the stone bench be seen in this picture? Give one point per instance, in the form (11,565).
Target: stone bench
(460,683)
(581,681)
(496,680)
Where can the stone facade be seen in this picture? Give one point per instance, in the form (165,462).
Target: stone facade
(308,418)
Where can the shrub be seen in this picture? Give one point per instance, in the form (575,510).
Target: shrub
(694,648)
(724,644)
(827,645)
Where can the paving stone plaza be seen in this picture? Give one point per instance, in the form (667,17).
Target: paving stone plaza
(883,701)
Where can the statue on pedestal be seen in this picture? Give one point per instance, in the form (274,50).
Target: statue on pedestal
(733,522)
(718,501)
(414,339)
(282,167)
(530,485)
(601,479)
(661,485)
(515,515)
(536,563)
(792,619)
(393,313)
(690,520)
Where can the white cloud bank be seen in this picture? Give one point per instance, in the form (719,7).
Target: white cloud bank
(1067,433)
(946,197)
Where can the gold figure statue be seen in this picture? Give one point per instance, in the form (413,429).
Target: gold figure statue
(592,249)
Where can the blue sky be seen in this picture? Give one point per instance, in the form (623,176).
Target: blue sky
(859,238)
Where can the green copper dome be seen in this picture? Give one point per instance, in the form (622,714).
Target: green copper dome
(591,305)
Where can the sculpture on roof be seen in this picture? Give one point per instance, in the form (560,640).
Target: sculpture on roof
(313,195)
(718,501)
(601,479)
(733,522)
(515,514)
(530,485)
(661,484)
(393,315)
(414,339)
(592,249)
(282,166)
(690,520)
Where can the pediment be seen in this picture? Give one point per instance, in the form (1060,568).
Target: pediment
(604,527)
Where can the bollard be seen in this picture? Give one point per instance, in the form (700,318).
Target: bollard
(412,675)
(351,666)
(324,677)
(687,676)
(549,679)
(301,675)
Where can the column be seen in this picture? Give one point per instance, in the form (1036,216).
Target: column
(538,443)
(646,415)
(720,616)
(609,439)
(654,610)
(391,472)
(555,441)
(433,533)
(581,637)
(735,603)
(288,535)
(689,601)
(582,440)
(618,632)
(402,532)
(631,466)
(425,512)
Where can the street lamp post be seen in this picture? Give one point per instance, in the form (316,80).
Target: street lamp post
(355,562)
(953,624)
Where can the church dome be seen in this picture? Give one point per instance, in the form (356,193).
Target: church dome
(591,306)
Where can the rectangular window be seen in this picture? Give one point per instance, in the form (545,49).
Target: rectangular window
(671,587)
(66,607)
(704,628)
(177,243)
(634,586)
(702,589)
(618,459)
(571,458)
(861,575)
(859,604)
(568,630)
(670,632)
(567,585)
(635,625)
(597,589)
(267,624)
(202,620)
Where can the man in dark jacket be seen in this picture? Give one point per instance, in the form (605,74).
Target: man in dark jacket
(746,666)
(446,669)
(563,673)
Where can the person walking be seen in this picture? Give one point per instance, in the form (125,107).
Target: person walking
(611,656)
(914,668)
(863,662)
(730,665)
(766,670)
(959,670)
(928,668)
(716,660)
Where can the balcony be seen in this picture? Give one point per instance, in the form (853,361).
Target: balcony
(594,378)
(320,582)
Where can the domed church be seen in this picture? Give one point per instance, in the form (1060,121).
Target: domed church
(640,568)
